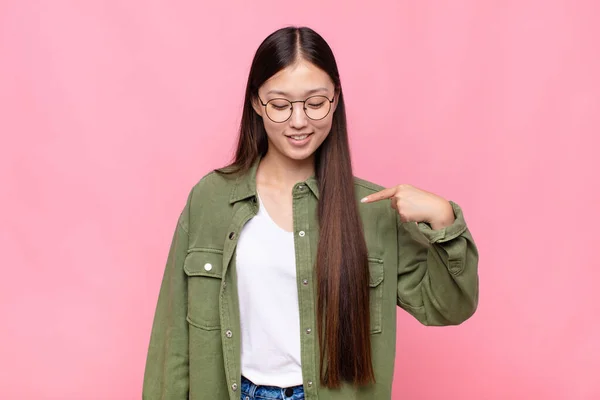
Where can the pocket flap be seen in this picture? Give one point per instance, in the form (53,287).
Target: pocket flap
(375,271)
(204,262)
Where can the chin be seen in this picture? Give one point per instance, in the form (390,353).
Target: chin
(299,155)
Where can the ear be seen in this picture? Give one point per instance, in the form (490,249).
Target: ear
(258,108)
(335,101)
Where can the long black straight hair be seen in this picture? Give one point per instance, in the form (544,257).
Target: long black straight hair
(343,317)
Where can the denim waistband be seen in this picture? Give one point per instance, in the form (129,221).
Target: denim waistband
(250,391)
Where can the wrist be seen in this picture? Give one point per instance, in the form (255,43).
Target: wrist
(444,218)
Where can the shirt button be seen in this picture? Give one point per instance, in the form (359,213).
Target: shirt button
(308,331)
(232,235)
(229,334)
(305,281)
(301,188)
(234,387)
(208,266)
(301,233)
(309,383)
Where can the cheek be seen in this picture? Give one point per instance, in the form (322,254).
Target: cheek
(273,130)
(322,127)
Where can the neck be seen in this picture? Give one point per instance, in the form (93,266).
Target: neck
(284,172)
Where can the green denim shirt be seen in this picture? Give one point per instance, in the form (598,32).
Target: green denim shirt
(194,350)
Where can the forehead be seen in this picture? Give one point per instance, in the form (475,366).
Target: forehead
(298,78)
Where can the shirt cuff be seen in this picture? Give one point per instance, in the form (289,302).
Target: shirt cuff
(448,233)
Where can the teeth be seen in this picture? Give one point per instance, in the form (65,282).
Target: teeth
(299,137)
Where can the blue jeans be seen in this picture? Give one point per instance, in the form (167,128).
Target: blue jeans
(250,391)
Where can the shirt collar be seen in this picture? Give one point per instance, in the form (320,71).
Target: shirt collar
(245,185)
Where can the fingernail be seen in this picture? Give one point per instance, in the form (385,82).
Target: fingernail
(363,199)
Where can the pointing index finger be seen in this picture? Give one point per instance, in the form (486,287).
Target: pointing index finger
(381,195)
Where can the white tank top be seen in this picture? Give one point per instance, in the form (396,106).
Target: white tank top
(268,294)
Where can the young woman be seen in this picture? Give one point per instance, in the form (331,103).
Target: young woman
(285,271)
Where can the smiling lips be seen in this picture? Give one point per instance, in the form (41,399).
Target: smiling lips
(299,140)
(300,137)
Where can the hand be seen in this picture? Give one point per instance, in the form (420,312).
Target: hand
(416,205)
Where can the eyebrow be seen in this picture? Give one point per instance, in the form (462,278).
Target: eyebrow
(321,89)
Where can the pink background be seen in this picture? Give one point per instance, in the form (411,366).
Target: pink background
(111,110)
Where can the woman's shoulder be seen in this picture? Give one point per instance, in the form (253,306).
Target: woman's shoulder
(214,185)
(208,200)
(364,187)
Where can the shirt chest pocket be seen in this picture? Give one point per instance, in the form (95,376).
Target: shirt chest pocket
(376,293)
(204,268)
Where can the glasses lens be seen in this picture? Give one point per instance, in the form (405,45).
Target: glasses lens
(317,107)
(279,110)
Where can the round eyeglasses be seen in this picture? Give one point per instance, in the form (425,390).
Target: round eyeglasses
(280,110)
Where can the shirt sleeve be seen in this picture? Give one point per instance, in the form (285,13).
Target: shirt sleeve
(438,281)
(167,365)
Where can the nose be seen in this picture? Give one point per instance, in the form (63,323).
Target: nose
(298,120)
